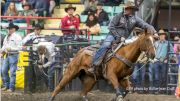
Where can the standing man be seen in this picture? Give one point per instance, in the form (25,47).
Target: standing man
(120,28)
(11,46)
(157,69)
(33,37)
(70,24)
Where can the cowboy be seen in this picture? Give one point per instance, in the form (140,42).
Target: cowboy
(70,23)
(158,65)
(47,61)
(33,37)
(120,28)
(11,46)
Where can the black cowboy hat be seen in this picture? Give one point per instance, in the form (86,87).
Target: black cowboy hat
(70,7)
(26,4)
(11,25)
(131,5)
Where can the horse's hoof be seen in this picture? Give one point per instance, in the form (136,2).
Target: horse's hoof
(119,98)
(51,99)
(85,98)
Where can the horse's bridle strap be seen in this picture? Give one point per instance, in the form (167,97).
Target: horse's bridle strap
(126,61)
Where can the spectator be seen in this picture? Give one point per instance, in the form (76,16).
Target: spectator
(102,16)
(70,23)
(177,92)
(11,11)
(11,44)
(52,6)
(158,65)
(33,37)
(26,12)
(42,7)
(90,6)
(2,7)
(48,49)
(92,24)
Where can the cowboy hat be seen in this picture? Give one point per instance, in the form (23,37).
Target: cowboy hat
(11,25)
(70,7)
(38,26)
(162,32)
(131,5)
(26,4)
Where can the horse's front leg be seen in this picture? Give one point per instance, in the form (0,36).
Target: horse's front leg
(126,85)
(119,90)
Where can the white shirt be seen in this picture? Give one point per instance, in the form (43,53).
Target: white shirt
(12,42)
(50,54)
(32,36)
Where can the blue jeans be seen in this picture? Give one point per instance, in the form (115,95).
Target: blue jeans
(138,76)
(157,72)
(1,62)
(100,53)
(51,71)
(10,62)
(173,78)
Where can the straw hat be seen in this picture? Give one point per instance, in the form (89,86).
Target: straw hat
(162,32)
(70,7)
(131,5)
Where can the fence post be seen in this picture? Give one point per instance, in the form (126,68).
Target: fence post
(29,78)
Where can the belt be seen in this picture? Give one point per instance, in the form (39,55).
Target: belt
(10,54)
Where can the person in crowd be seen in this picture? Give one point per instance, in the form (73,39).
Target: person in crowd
(138,76)
(11,46)
(177,92)
(92,24)
(48,50)
(11,11)
(26,12)
(102,15)
(33,37)
(157,67)
(52,6)
(120,28)
(90,6)
(41,7)
(70,23)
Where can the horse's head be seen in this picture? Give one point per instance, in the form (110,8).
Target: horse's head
(147,44)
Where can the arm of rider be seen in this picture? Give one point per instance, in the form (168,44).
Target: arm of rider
(140,23)
(113,23)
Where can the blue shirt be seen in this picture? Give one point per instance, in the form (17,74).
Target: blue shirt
(162,49)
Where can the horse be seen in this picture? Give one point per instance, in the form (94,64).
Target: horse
(116,70)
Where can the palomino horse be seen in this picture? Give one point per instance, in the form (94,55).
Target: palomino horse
(116,70)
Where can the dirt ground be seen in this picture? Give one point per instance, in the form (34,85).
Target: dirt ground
(74,96)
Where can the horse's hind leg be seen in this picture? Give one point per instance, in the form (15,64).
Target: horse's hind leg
(66,79)
(88,83)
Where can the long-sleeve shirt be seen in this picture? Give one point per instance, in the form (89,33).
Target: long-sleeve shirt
(67,21)
(162,49)
(50,54)
(122,25)
(12,42)
(32,38)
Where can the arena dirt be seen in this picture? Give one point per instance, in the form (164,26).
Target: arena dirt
(74,96)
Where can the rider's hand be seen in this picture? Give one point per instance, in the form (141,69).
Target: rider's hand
(123,39)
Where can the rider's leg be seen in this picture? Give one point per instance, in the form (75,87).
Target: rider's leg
(97,58)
